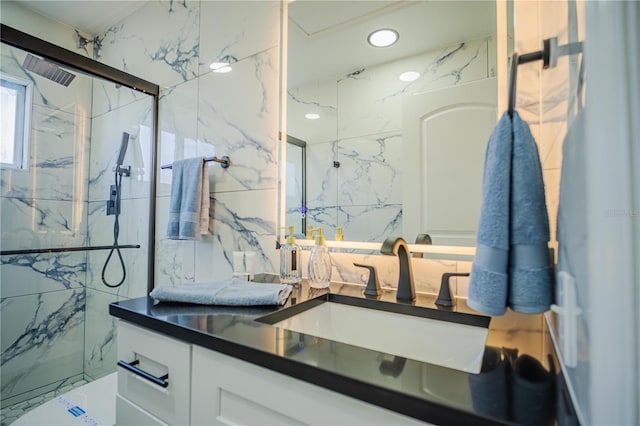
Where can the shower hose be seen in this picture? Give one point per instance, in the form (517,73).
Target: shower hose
(116,231)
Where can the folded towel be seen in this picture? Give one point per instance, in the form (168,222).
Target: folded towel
(512,266)
(188,200)
(232,292)
(204,200)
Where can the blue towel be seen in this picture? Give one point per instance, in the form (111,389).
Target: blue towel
(512,266)
(233,292)
(186,202)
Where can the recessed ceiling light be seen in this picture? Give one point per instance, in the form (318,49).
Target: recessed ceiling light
(383,38)
(409,76)
(311,116)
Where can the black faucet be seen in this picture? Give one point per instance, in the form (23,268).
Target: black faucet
(396,246)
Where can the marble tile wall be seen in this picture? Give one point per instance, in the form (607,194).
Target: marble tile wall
(198,117)
(361,128)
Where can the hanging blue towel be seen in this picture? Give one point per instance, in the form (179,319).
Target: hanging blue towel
(512,266)
(185,204)
(532,277)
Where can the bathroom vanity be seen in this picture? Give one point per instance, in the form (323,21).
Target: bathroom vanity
(231,365)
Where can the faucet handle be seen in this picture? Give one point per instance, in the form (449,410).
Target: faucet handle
(444,296)
(373,285)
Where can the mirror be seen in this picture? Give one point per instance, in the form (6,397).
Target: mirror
(347,102)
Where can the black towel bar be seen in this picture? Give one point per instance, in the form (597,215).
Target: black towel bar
(225,162)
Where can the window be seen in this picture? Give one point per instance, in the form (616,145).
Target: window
(15,105)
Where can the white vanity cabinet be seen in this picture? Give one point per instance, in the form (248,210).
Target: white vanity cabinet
(229,391)
(206,387)
(140,401)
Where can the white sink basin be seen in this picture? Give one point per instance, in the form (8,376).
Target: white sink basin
(448,344)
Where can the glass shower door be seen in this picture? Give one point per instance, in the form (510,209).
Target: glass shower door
(54,194)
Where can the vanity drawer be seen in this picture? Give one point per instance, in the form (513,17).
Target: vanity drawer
(128,413)
(154,373)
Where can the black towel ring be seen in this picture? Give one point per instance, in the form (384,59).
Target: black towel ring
(549,55)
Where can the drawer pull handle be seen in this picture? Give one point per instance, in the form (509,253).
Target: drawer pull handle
(131,366)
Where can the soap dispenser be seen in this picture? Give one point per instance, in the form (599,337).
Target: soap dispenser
(290,264)
(320,263)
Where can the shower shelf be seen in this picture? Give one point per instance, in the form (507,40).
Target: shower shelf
(66,249)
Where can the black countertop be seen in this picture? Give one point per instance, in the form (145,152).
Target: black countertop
(520,381)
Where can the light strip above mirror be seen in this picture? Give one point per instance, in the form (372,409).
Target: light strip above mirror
(431,251)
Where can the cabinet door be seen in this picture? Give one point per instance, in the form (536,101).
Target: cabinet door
(156,355)
(227,391)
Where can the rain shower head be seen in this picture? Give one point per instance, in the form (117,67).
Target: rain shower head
(123,149)
(48,70)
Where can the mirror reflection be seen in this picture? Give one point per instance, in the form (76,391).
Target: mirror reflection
(348,104)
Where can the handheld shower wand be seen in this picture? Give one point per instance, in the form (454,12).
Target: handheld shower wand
(119,168)
(113,207)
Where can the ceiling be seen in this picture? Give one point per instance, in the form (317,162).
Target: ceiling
(90,16)
(328,38)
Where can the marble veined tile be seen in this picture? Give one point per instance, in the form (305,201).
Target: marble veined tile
(133,229)
(242,221)
(58,149)
(370,170)
(160,42)
(75,98)
(178,130)
(238,117)
(28,223)
(174,259)
(380,89)
(24,274)
(106,137)
(234,30)
(100,349)
(325,217)
(427,273)
(370,222)
(109,96)
(41,339)
(322,175)
(317,98)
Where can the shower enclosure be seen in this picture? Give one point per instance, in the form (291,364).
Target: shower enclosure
(64,166)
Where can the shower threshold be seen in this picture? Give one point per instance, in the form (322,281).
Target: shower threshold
(93,403)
